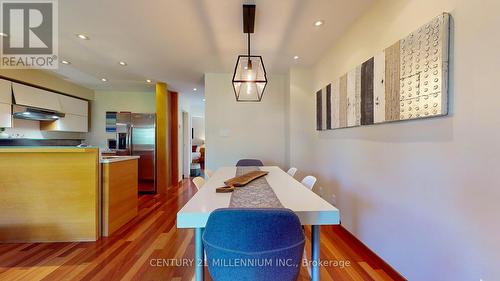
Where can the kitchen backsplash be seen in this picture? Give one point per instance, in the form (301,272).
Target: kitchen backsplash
(27,129)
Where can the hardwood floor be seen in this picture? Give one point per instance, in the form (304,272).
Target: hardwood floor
(142,249)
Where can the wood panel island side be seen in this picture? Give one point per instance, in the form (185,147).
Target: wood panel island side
(119,191)
(49,194)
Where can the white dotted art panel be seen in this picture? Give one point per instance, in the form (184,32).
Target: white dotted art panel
(424,70)
(407,80)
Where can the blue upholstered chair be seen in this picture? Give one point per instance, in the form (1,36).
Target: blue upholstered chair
(253,244)
(249,162)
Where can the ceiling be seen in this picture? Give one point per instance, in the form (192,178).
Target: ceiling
(177,41)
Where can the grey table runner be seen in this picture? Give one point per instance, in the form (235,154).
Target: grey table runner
(256,194)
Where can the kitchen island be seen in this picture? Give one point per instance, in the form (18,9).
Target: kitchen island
(49,194)
(119,191)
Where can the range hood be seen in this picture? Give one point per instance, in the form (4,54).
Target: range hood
(33,113)
(32,103)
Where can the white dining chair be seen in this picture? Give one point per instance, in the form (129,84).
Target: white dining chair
(292,171)
(208,173)
(309,182)
(199,182)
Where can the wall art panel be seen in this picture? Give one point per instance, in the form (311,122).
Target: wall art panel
(319,111)
(367,92)
(329,107)
(336,104)
(324,109)
(392,82)
(343,101)
(379,88)
(408,80)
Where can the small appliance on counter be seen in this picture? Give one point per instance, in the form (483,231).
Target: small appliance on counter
(111,144)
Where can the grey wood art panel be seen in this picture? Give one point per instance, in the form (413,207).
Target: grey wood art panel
(392,82)
(343,101)
(367,92)
(408,80)
(336,104)
(379,88)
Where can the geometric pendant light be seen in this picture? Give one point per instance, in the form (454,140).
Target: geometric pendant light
(249,78)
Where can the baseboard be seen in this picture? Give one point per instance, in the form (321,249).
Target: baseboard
(367,254)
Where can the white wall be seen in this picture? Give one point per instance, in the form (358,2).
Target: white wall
(254,130)
(423,194)
(138,102)
(193,105)
(198,125)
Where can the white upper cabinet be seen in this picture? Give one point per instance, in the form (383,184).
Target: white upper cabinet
(5,104)
(5,91)
(34,97)
(74,106)
(68,123)
(5,115)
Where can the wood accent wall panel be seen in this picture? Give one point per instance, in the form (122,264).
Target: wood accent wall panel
(119,194)
(343,101)
(367,92)
(174,136)
(392,82)
(379,88)
(319,109)
(329,106)
(335,104)
(49,194)
(162,138)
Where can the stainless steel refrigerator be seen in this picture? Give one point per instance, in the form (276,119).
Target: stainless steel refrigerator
(136,135)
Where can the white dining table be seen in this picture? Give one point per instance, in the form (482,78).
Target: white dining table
(307,205)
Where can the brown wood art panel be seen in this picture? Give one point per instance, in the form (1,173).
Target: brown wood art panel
(408,80)
(319,113)
(329,107)
(392,76)
(367,92)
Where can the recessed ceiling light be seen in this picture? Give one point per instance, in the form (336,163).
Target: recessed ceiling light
(82,36)
(3,34)
(65,62)
(122,63)
(203,99)
(194,89)
(319,23)
(296,57)
(149,80)
(104,79)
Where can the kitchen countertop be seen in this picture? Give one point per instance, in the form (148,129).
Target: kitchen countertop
(44,149)
(112,159)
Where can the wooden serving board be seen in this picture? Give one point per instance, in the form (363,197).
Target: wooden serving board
(245,178)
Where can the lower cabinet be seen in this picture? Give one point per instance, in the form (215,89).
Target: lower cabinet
(5,115)
(68,123)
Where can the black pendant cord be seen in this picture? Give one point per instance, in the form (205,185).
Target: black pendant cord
(248,45)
